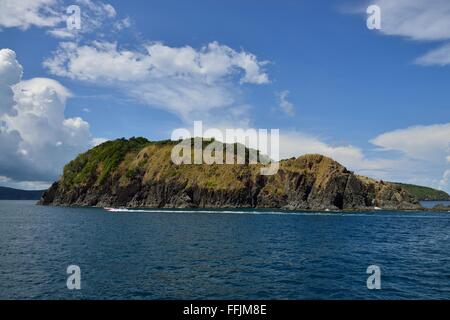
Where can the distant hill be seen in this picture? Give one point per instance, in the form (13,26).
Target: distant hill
(16,194)
(425,193)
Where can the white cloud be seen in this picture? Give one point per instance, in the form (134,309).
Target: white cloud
(424,153)
(11,72)
(286,106)
(24,185)
(439,56)
(95,16)
(26,13)
(51,14)
(183,80)
(62,33)
(445,181)
(37,140)
(430,143)
(98,8)
(210,64)
(419,20)
(123,23)
(415,19)
(97,141)
(101,61)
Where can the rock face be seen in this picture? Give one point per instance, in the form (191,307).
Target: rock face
(139,173)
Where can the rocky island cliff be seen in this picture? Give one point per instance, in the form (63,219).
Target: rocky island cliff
(140,173)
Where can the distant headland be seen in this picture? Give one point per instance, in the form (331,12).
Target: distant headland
(17,194)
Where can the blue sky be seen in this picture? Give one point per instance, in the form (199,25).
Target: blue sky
(375,100)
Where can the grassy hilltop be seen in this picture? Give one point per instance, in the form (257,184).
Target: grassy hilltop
(425,193)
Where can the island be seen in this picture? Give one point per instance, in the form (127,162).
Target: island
(137,172)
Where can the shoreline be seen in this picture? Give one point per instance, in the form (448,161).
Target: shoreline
(443,209)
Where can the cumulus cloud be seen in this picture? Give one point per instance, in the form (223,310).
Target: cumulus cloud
(36,139)
(210,64)
(285,106)
(11,72)
(183,80)
(419,20)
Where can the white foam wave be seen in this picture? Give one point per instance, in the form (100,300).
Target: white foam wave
(262,212)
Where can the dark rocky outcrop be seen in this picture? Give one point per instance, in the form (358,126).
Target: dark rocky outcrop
(144,176)
(440,208)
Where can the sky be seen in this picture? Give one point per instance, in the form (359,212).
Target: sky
(378,101)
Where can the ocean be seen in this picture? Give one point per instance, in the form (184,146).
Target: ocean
(221,254)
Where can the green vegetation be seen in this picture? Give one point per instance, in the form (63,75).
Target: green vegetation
(126,160)
(96,164)
(424,193)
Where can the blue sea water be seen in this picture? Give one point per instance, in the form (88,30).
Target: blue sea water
(232,254)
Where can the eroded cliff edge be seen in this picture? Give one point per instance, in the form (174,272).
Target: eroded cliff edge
(140,173)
